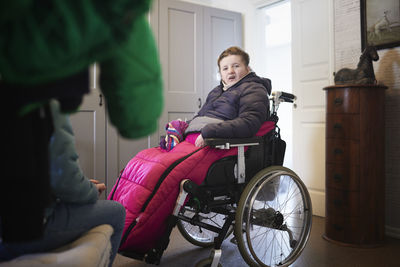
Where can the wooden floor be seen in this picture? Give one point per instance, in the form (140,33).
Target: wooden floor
(318,253)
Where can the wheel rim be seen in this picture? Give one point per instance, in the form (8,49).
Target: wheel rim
(276,227)
(198,235)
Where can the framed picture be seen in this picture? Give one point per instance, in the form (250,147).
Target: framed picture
(380,23)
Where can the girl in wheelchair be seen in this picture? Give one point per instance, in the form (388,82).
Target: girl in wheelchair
(238,106)
(148,187)
(234,109)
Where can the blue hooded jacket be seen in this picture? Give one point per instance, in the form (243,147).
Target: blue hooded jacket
(68,183)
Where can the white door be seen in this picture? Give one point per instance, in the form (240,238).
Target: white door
(181,55)
(312,55)
(89,125)
(190,38)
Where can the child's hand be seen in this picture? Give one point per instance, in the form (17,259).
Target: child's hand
(100,186)
(199,141)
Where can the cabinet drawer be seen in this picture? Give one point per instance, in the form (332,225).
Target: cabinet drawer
(343,176)
(342,203)
(342,229)
(343,100)
(343,126)
(342,151)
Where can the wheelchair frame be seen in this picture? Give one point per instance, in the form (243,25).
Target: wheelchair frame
(236,204)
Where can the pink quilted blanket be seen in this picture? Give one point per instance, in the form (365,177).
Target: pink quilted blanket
(149,185)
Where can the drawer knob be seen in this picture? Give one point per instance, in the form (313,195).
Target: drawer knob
(338,101)
(338,227)
(338,151)
(337,177)
(337,202)
(337,126)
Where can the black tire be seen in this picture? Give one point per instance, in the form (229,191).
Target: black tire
(273,219)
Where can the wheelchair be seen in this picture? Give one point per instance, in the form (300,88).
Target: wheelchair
(265,205)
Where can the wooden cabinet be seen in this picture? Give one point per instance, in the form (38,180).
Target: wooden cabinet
(355,175)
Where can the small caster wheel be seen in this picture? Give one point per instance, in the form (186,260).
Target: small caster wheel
(206,263)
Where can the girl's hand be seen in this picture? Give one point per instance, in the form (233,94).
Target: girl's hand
(199,141)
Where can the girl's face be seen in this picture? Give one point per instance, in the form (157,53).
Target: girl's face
(232,69)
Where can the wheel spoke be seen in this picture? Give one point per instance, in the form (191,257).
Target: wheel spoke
(196,234)
(275,210)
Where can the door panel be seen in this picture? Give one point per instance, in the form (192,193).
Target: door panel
(120,150)
(222,30)
(89,129)
(312,30)
(181,54)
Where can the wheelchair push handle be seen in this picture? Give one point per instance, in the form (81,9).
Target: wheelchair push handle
(288,96)
(283,96)
(278,97)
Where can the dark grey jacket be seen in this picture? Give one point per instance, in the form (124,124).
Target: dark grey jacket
(243,107)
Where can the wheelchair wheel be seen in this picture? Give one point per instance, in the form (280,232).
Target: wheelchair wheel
(273,219)
(197,235)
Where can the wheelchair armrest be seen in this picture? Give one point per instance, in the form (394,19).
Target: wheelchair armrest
(227,143)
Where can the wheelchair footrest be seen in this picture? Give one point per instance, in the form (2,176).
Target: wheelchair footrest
(153,256)
(196,191)
(132,255)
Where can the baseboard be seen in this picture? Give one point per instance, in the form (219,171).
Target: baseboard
(392,231)
(318,202)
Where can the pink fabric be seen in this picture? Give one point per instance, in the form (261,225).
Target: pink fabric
(140,177)
(265,128)
(191,138)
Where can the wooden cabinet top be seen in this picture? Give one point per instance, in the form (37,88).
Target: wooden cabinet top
(361,86)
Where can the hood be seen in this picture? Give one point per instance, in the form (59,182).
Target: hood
(252,77)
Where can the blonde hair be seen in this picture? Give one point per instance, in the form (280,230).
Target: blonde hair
(234,50)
